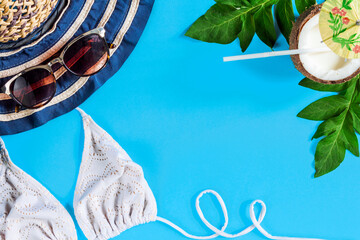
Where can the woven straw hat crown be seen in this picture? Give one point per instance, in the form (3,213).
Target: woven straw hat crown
(18,18)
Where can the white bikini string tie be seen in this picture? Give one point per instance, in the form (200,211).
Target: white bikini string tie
(221,232)
(201,215)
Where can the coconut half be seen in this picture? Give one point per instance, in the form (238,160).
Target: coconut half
(324,67)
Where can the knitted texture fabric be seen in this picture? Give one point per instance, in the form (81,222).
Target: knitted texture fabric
(111,194)
(28,211)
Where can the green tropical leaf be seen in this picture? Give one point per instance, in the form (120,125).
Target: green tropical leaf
(284,14)
(264,26)
(329,154)
(339,136)
(348,135)
(227,20)
(308,83)
(355,112)
(220,24)
(330,151)
(324,108)
(302,5)
(235,3)
(341,115)
(224,22)
(327,127)
(247,31)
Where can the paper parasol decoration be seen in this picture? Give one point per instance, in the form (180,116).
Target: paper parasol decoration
(340,27)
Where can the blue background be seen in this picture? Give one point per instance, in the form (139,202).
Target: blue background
(193,122)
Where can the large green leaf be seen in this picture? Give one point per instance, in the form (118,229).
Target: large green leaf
(247,31)
(324,108)
(236,3)
(285,17)
(348,135)
(228,19)
(264,26)
(327,127)
(220,24)
(308,83)
(302,5)
(355,112)
(341,115)
(330,151)
(329,155)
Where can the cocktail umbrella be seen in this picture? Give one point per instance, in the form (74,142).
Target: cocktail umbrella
(340,27)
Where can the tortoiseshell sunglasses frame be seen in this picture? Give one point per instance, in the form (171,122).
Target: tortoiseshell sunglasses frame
(99,31)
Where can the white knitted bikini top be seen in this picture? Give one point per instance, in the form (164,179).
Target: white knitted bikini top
(111,196)
(27,210)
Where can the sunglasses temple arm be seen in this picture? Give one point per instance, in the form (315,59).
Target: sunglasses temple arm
(111,45)
(3,89)
(17,108)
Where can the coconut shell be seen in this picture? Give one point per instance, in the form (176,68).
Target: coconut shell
(294,41)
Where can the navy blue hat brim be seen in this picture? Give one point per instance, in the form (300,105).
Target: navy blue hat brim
(123,20)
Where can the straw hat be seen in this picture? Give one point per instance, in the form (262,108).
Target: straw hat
(19,18)
(32,31)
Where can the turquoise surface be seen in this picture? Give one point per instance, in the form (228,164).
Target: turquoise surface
(193,122)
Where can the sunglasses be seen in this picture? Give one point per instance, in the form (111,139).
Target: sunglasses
(36,86)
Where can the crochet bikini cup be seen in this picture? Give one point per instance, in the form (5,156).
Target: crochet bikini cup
(27,209)
(111,195)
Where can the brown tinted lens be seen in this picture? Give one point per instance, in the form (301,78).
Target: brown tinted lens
(34,88)
(87,55)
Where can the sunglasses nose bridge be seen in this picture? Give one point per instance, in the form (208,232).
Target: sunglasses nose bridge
(54,61)
(55,64)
